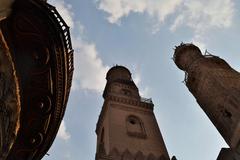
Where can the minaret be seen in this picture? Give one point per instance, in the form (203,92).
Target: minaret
(127,128)
(216,87)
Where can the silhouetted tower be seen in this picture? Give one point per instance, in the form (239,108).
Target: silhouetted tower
(127,128)
(216,87)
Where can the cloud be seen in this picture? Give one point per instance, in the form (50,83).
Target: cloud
(136,76)
(118,9)
(202,15)
(178,21)
(198,41)
(199,15)
(145,92)
(89,70)
(62,132)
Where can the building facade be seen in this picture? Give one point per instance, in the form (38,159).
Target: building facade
(216,87)
(127,128)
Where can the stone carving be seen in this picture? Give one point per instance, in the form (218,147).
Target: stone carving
(139,156)
(115,154)
(151,157)
(9,101)
(127,155)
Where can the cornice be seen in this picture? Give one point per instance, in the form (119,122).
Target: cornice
(130,101)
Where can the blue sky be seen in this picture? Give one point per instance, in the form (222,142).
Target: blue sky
(141,35)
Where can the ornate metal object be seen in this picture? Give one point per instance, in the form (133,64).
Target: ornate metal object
(40,45)
(9,100)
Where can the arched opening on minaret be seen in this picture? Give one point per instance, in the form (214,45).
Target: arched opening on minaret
(135,127)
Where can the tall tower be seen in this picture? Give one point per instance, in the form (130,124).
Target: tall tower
(216,87)
(127,128)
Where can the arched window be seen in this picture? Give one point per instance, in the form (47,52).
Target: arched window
(135,127)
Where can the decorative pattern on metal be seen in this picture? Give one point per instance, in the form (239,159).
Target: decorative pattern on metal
(40,43)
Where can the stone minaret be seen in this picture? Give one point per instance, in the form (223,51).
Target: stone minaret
(216,87)
(127,128)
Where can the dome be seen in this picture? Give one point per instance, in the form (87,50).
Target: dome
(185,54)
(118,72)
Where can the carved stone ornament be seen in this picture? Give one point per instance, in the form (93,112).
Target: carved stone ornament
(9,100)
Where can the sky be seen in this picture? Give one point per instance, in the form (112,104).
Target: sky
(141,35)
